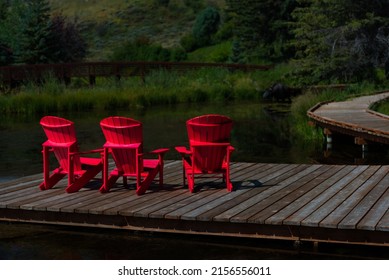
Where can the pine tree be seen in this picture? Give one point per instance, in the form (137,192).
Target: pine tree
(206,24)
(35,35)
(261,26)
(341,41)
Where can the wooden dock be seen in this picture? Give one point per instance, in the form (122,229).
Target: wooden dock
(353,117)
(324,203)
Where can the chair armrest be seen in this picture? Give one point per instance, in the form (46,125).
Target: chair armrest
(49,143)
(160,151)
(209,144)
(95,151)
(183,151)
(122,146)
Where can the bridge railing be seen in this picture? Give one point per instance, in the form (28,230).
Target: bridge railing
(10,75)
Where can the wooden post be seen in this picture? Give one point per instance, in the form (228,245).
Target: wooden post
(362,142)
(328,134)
(92,80)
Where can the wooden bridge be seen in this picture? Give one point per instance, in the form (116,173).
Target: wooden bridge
(353,117)
(12,75)
(298,202)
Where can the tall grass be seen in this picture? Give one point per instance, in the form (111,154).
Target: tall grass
(158,88)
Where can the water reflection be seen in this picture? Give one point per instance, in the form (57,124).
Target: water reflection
(258,135)
(26,242)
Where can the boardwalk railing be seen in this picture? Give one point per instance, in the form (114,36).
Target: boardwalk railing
(11,75)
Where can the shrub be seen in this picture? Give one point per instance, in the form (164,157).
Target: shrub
(206,24)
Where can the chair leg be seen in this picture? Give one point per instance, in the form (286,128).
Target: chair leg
(228,182)
(191,184)
(109,183)
(142,187)
(50,181)
(84,179)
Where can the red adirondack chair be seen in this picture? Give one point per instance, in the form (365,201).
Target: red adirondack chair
(62,141)
(124,141)
(210,148)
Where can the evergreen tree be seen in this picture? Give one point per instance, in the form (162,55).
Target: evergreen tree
(341,41)
(6,56)
(206,24)
(245,15)
(261,26)
(35,35)
(11,23)
(236,53)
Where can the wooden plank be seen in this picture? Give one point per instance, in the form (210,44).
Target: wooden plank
(68,206)
(113,207)
(252,184)
(128,209)
(192,203)
(21,183)
(321,212)
(314,197)
(272,198)
(237,174)
(344,201)
(186,200)
(361,200)
(383,225)
(283,205)
(374,215)
(254,200)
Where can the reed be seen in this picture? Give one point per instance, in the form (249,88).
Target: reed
(159,88)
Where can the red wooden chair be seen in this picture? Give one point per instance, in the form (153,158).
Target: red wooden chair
(124,141)
(210,149)
(61,140)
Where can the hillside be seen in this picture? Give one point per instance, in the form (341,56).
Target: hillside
(107,23)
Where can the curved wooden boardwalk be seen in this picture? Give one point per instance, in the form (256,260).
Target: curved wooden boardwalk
(353,117)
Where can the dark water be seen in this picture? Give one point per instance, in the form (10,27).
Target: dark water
(259,135)
(29,242)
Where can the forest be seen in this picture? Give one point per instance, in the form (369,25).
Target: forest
(321,41)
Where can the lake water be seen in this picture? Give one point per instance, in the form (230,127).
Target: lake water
(259,135)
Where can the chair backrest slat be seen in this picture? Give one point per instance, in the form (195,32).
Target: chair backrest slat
(209,129)
(123,131)
(61,131)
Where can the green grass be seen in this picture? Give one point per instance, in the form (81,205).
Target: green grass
(159,88)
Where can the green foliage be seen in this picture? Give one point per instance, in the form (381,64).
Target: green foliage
(143,50)
(67,44)
(340,41)
(30,35)
(206,25)
(261,26)
(6,56)
(189,42)
(158,88)
(35,34)
(215,53)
